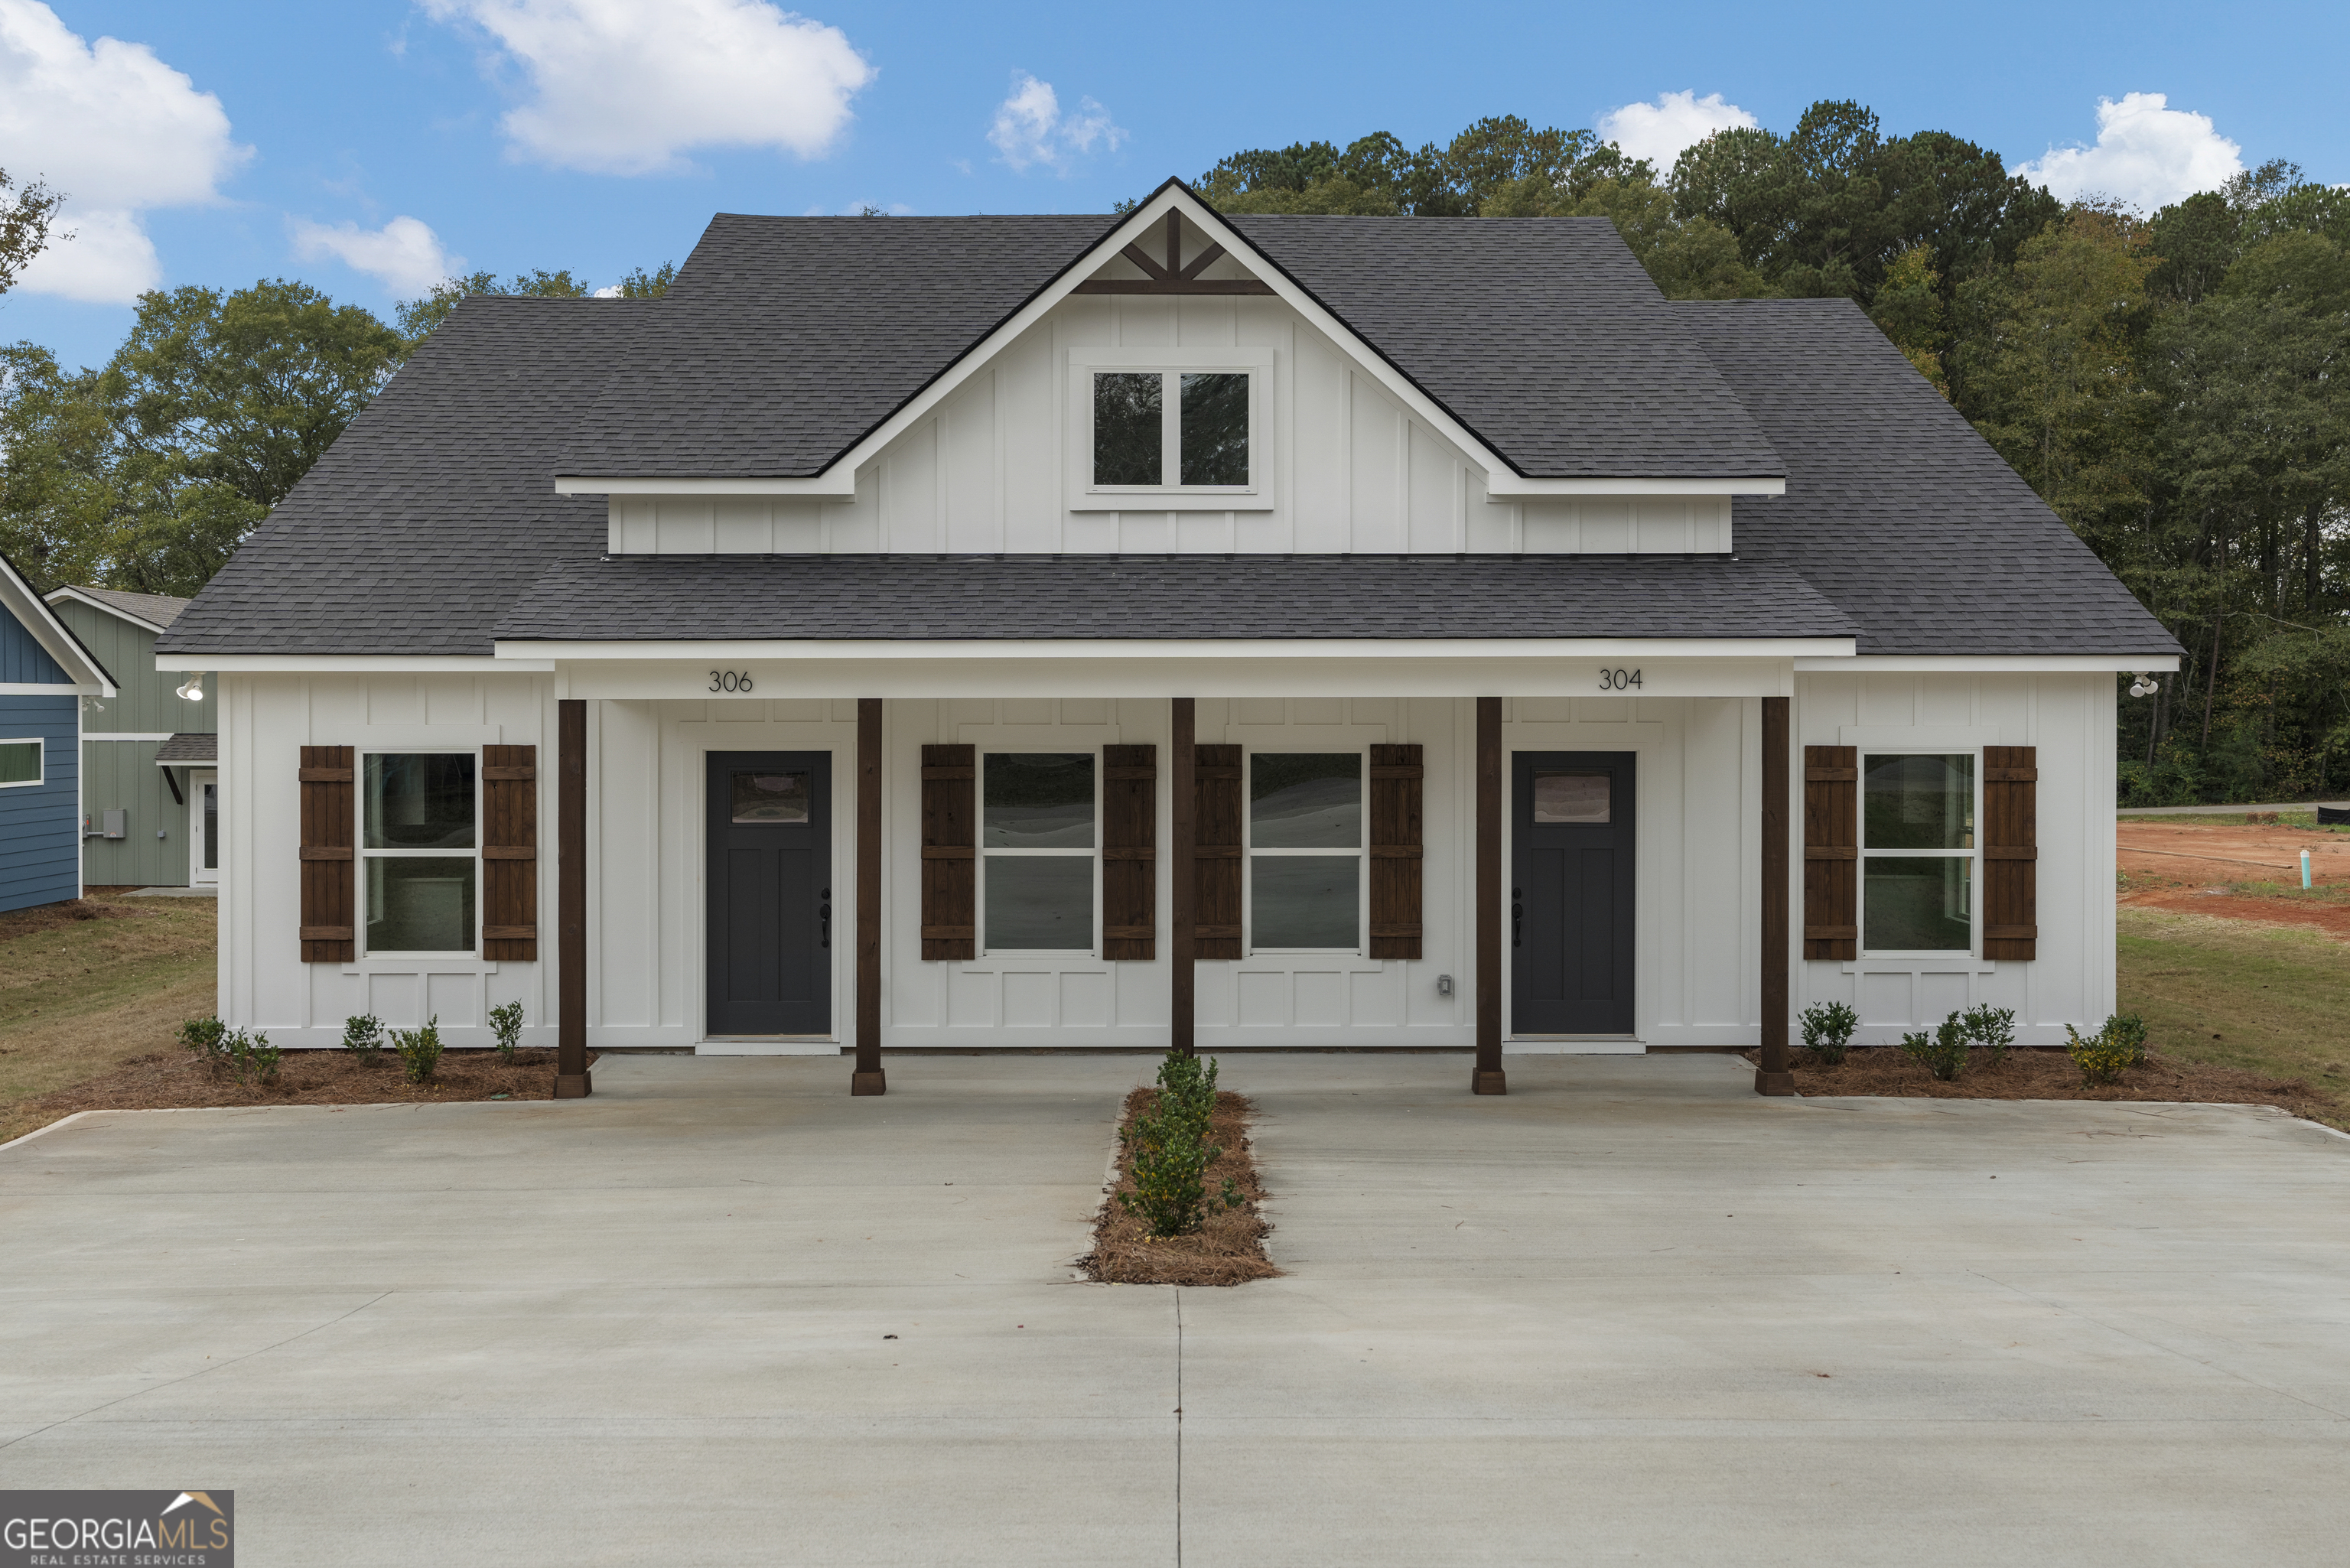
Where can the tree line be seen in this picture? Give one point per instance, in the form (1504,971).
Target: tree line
(2176,386)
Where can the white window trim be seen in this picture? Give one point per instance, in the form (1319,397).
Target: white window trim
(1250,852)
(40,760)
(1084,496)
(983,854)
(1926,748)
(358,837)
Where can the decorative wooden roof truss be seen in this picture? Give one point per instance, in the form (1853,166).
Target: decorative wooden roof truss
(1174,275)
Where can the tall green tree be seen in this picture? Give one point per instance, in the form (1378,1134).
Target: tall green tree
(416,317)
(26,218)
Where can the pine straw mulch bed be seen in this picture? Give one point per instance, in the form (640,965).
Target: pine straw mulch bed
(1229,1249)
(2034,1075)
(177,1081)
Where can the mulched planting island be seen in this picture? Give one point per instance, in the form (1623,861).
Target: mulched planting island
(1229,1249)
(176,1080)
(2051,1076)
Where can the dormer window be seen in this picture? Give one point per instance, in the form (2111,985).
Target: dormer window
(1186,427)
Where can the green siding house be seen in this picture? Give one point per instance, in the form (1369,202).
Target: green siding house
(150,769)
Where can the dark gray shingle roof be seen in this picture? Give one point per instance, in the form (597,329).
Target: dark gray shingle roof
(189,746)
(1166,597)
(787,340)
(418,528)
(1896,508)
(155,609)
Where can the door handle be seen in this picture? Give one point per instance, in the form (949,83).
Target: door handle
(824,921)
(1517,925)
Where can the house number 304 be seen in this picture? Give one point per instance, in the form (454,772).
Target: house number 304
(1619,680)
(729,680)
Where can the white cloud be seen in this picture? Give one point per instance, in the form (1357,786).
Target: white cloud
(624,87)
(1662,130)
(405,254)
(1030,128)
(116,130)
(2147,154)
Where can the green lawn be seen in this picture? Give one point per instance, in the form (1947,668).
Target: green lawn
(2274,999)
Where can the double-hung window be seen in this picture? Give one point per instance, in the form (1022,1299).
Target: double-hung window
(1917,851)
(1305,814)
(1036,845)
(420,845)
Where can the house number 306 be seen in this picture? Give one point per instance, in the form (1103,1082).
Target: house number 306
(1619,680)
(729,680)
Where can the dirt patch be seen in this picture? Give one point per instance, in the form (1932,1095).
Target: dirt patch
(2051,1076)
(2248,870)
(172,1081)
(71,912)
(1229,1249)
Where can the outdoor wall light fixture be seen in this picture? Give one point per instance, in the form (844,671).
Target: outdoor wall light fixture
(2143,686)
(193,689)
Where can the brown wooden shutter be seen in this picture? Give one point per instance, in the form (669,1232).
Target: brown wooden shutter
(1831,852)
(329,869)
(1129,852)
(1216,852)
(1396,784)
(949,855)
(2010,852)
(510,853)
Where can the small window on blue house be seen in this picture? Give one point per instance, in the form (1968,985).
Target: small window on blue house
(20,763)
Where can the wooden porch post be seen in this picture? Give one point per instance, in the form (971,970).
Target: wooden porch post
(1182,741)
(867,1078)
(1488,1078)
(572,1081)
(1774,1075)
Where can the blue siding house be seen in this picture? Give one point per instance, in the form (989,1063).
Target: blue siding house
(45,674)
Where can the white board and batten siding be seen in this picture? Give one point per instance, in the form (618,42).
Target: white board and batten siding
(1340,466)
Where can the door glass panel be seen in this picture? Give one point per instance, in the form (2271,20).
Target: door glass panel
(419,800)
(1572,797)
(1215,419)
(1039,800)
(769,797)
(1305,800)
(1305,900)
(1917,903)
(420,904)
(1127,432)
(1040,901)
(1919,803)
(212,828)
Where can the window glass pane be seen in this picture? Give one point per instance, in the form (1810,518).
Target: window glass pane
(212,828)
(20,761)
(1040,901)
(1303,900)
(1216,428)
(1570,797)
(1305,800)
(1915,904)
(1919,803)
(1039,800)
(778,797)
(422,800)
(420,904)
(1127,435)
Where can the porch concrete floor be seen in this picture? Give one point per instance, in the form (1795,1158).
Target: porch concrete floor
(1628,1311)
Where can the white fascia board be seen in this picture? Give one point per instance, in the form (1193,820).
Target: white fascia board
(117,611)
(1991,663)
(51,689)
(348,663)
(840,478)
(1832,652)
(89,677)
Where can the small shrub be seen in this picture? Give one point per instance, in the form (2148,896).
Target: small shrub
(420,1050)
(363,1035)
(1827,1030)
(507,1022)
(1944,1051)
(1168,1152)
(1993,1028)
(205,1036)
(2128,1031)
(255,1059)
(2102,1057)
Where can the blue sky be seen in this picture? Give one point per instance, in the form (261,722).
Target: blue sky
(364,145)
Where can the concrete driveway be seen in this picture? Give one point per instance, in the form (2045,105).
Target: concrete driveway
(1628,1311)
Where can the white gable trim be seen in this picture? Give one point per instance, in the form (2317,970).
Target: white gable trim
(840,478)
(89,677)
(117,611)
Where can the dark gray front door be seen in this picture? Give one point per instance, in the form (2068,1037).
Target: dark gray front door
(770,918)
(1571,893)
